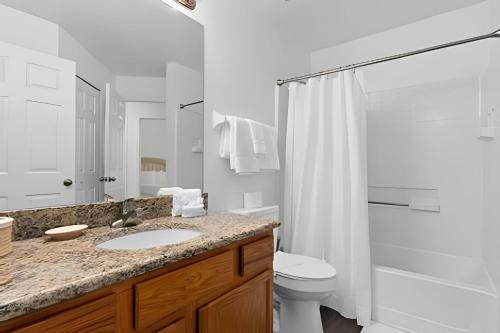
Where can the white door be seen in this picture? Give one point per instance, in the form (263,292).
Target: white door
(114,160)
(37,129)
(88,151)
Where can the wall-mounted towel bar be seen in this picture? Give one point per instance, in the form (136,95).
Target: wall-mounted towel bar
(218,119)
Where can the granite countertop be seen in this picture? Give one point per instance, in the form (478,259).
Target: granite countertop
(47,272)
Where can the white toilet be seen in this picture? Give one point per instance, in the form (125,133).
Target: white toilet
(300,282)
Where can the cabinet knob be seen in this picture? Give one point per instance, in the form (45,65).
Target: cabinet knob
(67,182)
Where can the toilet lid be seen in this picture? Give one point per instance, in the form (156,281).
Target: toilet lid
(301,267)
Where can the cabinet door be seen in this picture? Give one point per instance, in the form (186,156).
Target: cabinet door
(246,309)
(178,327)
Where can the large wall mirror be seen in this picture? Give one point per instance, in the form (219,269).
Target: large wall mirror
(99,100)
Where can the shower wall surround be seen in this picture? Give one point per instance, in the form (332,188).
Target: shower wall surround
(32,223)
(422,128)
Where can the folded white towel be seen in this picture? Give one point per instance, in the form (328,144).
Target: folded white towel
(258,137)
(193,210)
(241,155)
(168,191)
(188,197)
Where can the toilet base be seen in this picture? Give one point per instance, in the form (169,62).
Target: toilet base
(300,316)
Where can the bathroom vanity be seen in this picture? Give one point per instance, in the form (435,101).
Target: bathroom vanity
(221,281)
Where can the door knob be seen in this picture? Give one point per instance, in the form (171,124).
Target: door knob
(67,182)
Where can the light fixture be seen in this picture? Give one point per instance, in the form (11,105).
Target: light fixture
(189,4)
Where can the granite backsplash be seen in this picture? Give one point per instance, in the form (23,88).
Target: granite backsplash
(32,223)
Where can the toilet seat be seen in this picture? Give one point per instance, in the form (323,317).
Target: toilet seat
(298,267)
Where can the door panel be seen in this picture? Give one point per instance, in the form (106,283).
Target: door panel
(4,125)
(246,309)
(88,151)
(37,113)
(178,327)
(115,145)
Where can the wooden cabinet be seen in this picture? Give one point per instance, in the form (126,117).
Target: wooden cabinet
(161,296)
(246,309)
(257,256)
(225,290)
(97,316)
(176,327)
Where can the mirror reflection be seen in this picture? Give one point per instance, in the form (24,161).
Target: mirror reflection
(98,101)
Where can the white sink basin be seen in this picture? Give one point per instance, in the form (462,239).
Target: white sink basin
(150,239)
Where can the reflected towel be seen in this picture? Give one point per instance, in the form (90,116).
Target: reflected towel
(168,191)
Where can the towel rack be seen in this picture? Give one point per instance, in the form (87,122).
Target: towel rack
(218,119)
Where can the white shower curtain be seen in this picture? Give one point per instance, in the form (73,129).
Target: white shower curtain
(326,201)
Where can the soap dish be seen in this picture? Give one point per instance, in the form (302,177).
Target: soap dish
(67,232)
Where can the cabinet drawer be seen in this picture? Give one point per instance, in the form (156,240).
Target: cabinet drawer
(163,295)
(256,257)
(97,316)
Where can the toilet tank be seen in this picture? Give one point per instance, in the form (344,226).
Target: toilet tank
(269,212)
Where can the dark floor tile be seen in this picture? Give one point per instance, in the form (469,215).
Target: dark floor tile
(333,322)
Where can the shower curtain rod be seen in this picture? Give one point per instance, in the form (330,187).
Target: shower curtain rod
(182,106)
(494,34)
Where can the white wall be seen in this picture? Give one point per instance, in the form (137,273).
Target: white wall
(491,99)
(183,86)
(244,56)
(29,31)
(422,127)
(153,137)
(87,66)
(141,88)
(135,111)
(455,25)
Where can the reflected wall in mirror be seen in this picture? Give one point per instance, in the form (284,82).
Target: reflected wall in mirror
(90,101)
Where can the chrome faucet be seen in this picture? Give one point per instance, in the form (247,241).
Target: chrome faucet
(130,216)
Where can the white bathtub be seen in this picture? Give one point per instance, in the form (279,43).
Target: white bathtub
(428,292)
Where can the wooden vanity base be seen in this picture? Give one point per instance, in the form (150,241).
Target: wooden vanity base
(226,290)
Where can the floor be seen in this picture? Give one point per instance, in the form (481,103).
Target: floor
(333,322)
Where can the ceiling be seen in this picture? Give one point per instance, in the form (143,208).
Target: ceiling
(130,37)
(137,37)
(322,23)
